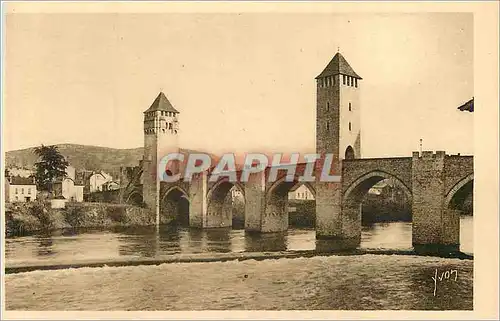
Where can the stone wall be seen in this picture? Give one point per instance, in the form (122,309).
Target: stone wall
(456,169)
(39,216)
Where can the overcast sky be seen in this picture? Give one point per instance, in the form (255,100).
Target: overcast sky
(242,82)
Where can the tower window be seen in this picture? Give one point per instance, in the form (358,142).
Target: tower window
(327,106)
(350,107)
(349,126)
(356,83)
(343,79)
(327,125)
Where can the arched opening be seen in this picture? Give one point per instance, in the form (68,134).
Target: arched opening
(460,201)
(135,198)
(226,205)
(301,207)
(377,209)
(278,206)
(174,208)
(349,153)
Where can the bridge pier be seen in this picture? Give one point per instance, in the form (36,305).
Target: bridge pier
(218,215)
(338,225)
(435,227)
(328,210)
(198,203)
(275,217)
(255,200)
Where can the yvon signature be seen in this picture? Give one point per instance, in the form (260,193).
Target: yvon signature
(448,275)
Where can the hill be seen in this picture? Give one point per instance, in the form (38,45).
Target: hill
(86,157)
(81,157)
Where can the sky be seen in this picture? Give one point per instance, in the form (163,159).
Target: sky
(242,82)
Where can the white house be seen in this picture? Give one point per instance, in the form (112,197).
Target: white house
(68,189)
(300,193)
(99,181)
(20,189)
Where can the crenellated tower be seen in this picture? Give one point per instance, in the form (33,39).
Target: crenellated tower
(161,136)
(338,126)
(337,133)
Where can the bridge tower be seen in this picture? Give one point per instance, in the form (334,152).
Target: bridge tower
(161,136)
(338,133)
(338,127)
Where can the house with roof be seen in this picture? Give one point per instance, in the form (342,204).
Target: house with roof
(20,189)
(98,181)
(69,187)
(300,193)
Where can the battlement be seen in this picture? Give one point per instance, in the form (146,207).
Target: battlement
(429,154)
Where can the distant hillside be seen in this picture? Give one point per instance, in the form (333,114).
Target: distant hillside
(87,157)
(82,157)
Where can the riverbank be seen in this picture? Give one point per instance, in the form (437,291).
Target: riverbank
(28,218)
(213,257)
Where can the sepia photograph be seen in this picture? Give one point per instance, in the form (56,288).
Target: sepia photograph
(245,158)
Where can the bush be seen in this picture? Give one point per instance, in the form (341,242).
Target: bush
(117,214)
(74,216)
(40,212)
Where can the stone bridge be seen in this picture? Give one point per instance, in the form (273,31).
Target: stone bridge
(436,185)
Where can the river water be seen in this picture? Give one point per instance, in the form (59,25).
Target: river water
(334,282)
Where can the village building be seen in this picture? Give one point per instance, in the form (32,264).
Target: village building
(69,187)
(20,189)
(300,193)
(99,181)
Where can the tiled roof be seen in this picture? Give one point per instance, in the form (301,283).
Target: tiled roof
(468,106)
(338,65)
(18,180)
(161,103)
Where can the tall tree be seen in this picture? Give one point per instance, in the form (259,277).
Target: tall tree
(50,166)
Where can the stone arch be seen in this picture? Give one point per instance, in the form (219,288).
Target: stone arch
(173,188)
(366,181)
(282,183)
(224,183)
(134,198)
(349,153)
(276,215)
(457,194)
(353,198)
(219,206)
(174,206)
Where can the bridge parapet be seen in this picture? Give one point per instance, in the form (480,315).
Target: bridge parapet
(457,168)
(399,168)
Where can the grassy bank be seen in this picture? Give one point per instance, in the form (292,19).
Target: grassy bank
(27,218)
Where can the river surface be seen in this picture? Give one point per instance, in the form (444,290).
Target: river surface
(336,282)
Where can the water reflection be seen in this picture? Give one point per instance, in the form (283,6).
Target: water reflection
(91,244)
(45,243)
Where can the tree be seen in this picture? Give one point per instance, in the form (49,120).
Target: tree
(50,166)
